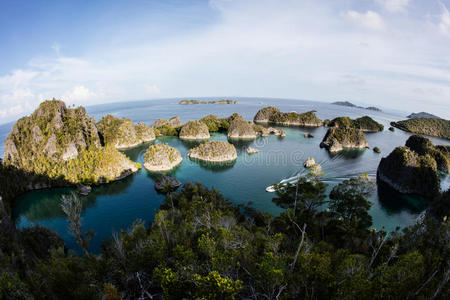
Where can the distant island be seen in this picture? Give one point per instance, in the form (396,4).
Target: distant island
(223,101)
(422,115)
(429,126)
(349,104)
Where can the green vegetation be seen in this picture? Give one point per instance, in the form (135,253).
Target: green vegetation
(215,124)
(200,246)
(429,126)
(365,123)
(240,128)
(338,138)
(194,130)
(166,130)
(214,151)
(273,115)
(161,157)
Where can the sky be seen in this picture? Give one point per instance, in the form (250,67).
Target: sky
(388,53)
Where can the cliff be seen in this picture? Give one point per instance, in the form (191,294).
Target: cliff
(214,151)
(274,116)
(161,157)
(433,127)
(366,123)
(63,143)
(123,133)
(338,138)
(215,124)
(194,130)
(240,128)
(162,127)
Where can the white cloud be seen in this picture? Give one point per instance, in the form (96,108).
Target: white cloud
(79,95)
(394,5)
(370,19)
(153,89)
(444,25)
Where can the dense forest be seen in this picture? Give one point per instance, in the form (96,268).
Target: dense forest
(200,246)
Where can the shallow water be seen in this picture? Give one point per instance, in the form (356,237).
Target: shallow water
(113,206)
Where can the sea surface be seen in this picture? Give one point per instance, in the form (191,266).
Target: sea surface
(117,205)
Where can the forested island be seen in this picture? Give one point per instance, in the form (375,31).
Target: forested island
(223,101)
(200,245)
(349,104)
(429,126)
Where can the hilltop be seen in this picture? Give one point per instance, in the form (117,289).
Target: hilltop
(349,104)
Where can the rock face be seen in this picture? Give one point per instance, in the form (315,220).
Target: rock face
(336,139)
(376,150)
(159,123)
(214,151)
(273,115)
(194,130)
(123,133)
(308,135)
(309,162)
(84,190)
(167,184)
(434,127)
(215,124)
(423,146)
(175,121)
(366,123)
(391,128)
(161,157)
(240,128)
(251,150)
(60,142)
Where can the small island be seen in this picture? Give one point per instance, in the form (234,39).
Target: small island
(222,101)
(349,104)
(215,124)
(273,115)
(428,126)
(366,123)
(413,169)
(214,151)
(240,128)
(194,130)
(422,115)
(161,157)
(337,139)
(123,133)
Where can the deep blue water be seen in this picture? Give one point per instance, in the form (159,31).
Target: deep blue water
(113,206)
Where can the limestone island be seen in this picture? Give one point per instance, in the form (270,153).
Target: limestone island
(63,144)
(422,115)
(349,104)
(194,130)
(214,151)
(428,126)
(273,115)
(163,127)
(123,133)
(338,138)
(161,157)
(413,169)
(366,123)
(223,101)
(215,124)
(240,128)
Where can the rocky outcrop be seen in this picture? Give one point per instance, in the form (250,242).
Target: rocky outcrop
(123,133)
(60,142)
(422,115)
(429,126)
(175,122)
(161,157)
(366,124)
(391,128)
(376,150)
(194,130)
(423,146)
(215,124)
(240,128)
(273,115)
(308,135)
(84,190)
(214,151)
(166,184)
(160,123)
(251,150)
(309,162)
(336,139)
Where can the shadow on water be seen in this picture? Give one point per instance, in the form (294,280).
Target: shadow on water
(395,202)
(347,154)
(240,144)
(214,166)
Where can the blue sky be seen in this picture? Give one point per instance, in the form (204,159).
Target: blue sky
(390,53)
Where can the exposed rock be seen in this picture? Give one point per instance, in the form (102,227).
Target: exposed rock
(214,151)
(215,124)
(159,123)
(240,129)
(64,144)
(161,157)
(260,130)
(166,184)
(434,127)
(376,150)
(84,190)
(309,162)
(251,150)
(423,146)
(336,139)
(308,135)
(273,115)
(391,128)
(194,130)
(175,121)
(282,133)
(366,123)
(123,133)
